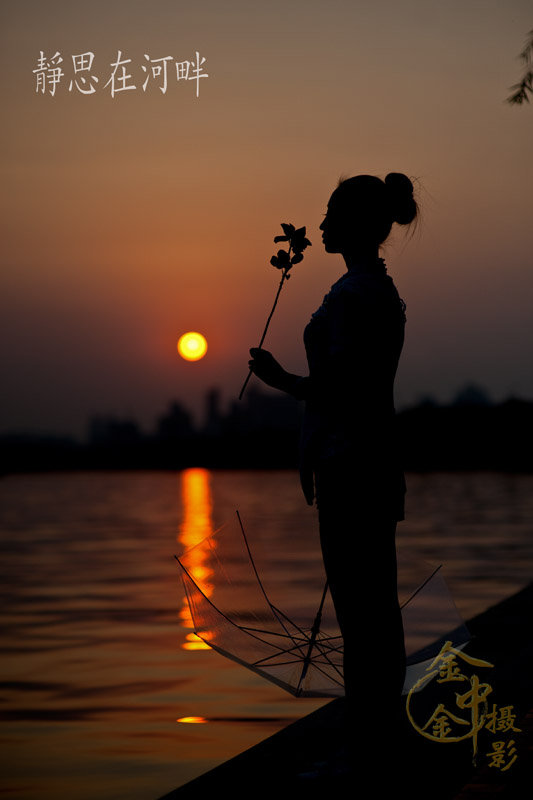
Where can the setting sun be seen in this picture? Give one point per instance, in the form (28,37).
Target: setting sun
(192,346)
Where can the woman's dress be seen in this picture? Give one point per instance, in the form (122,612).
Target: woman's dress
(350,463)
(353,344)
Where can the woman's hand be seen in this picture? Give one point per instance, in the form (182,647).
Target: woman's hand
(264,365)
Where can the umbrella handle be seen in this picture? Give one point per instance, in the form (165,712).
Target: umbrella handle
(314,633)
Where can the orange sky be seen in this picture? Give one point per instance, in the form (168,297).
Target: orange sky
(128,220)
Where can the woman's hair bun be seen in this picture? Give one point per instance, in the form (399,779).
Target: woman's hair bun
(403,205)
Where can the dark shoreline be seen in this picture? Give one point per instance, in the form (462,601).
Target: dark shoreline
(265,434)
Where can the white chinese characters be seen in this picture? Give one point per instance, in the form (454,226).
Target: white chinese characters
(157,72)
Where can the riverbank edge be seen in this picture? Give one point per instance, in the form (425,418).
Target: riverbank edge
(300,758)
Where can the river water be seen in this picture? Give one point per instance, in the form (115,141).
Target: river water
(106,691)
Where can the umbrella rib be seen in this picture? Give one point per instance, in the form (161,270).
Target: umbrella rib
(302,642)
(272,608)
(307,635)
(297,660)
(299,641)
(329,677)
(327,647)
(275,633)
(264,662)
(262,673)
(303,633)
(322,645)
(250,631)
(281,650)
(421,586)
(316,665)
(287,650)
(332,665)
(258,638)
(277,613)
(301,630)
(228,619)
(301,649)
(322,649)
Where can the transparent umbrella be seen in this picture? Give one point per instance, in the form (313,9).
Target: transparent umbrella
(301,649)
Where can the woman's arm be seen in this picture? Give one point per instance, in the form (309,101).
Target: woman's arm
(264,365)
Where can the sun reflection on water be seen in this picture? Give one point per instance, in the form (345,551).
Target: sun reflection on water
(196,525)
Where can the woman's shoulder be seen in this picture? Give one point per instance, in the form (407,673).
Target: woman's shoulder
(363,287)
(363,295)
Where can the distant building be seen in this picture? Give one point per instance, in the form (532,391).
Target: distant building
(427,401)
(175,424)
(472,395)
(262,411)
(110,430)
(213,417)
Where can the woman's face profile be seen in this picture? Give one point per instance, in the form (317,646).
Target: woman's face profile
(334,227)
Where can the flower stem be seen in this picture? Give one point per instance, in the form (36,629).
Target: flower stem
(284,275)
(285,271)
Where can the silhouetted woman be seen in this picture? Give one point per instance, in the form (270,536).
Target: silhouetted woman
(349,453)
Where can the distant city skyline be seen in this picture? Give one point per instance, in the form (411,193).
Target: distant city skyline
(213,404)
(214,408)
(263,431)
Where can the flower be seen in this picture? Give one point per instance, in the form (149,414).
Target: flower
(283,260)
(297,243)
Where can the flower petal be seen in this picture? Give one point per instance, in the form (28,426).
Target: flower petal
(288,229)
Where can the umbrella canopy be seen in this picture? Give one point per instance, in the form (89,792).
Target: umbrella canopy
(300,649)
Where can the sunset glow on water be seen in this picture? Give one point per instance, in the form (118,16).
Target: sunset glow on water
(96,674)
(195,527)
